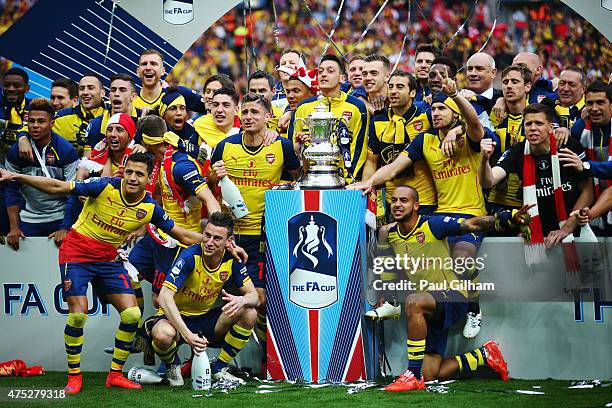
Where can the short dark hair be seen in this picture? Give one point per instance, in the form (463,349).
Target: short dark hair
(231,92)
(262,75)
(539,108)
(427,48)
(414,191)
(124,77)
(142,157)
(522,69)
(600,86)
(336,59)
(97,76)
(151,51)
(69,84)
(378,57)
(152,125)
(223,79)
(253,97)
(448,62)
(576,69)
(412,82)
(223,220)
(19,72)
(42,104)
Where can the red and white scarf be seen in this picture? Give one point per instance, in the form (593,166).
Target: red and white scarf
(586,139)
(535,249)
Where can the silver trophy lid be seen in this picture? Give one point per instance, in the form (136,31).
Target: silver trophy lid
(321,111)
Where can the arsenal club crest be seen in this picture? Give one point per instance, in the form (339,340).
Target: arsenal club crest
(418,125)
(223,275)
(420,237)
(140,213)
(49,158)
(270,157)
(347,115)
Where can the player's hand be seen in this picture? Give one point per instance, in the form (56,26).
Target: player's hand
(119,172)
(283,121)
(302,138)
(6,176)
(137,148)
(562,135)
(131,238)
(269,137)
(234,303)
(449,142)
(522,217)
(219,169)
(583,216)
(13,238)
(366,186)
(487,146)
(449,86)
(237,252)
(197,343)
(58,237)
(555,237)
(466,93)
(570,160)
(499,109)
(145,110)
(585,114)
(25,149)
(555,83)
(378,103)
(428,98)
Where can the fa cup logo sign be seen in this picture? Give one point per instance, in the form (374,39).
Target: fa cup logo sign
(313,260)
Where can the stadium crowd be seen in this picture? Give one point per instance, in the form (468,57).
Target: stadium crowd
(444,164)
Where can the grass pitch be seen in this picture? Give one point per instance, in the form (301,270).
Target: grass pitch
(462,393)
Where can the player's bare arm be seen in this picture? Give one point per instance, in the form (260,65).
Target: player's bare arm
(44,184)
(166,302)
(474,129)
(235,304)
(498,221)
(489,176)
(383,174)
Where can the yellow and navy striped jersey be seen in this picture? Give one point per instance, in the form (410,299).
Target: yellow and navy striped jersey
(16,121)
(355,112)
(187,174)
(388,136)
(209,133)
(71,124)
(510,131)
(254,171)
(108,218)
(197,286)
(566,116)
(193,101)
(427,245)
(456,178)
(272,123)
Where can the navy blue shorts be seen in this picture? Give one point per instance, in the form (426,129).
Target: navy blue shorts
(472,237)
(446,315)
(42,229)
(152,261)
(254,245)
(107,278)
(202,324)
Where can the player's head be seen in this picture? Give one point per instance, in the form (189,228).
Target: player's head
(15,84)
(404,203)
(261,83)
(441,68)
(152,128)
(375,74)
(64,93)
(290,60)
(425,54)
(173,109)
(572,83)
(516,83)
(301,84)
(481,72)
(445,113)
(213,83)
(531,61)
(255,112)
(218,229)
(538,122)
(91,91)
(224,108)
(138,168)
(599,102)
(401,90)
(120,129)
(355,70)
(150,67)
(122,93)
(40,119)
(331,68)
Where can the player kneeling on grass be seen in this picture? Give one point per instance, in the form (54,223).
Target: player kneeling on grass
(199,275)
(430,314)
